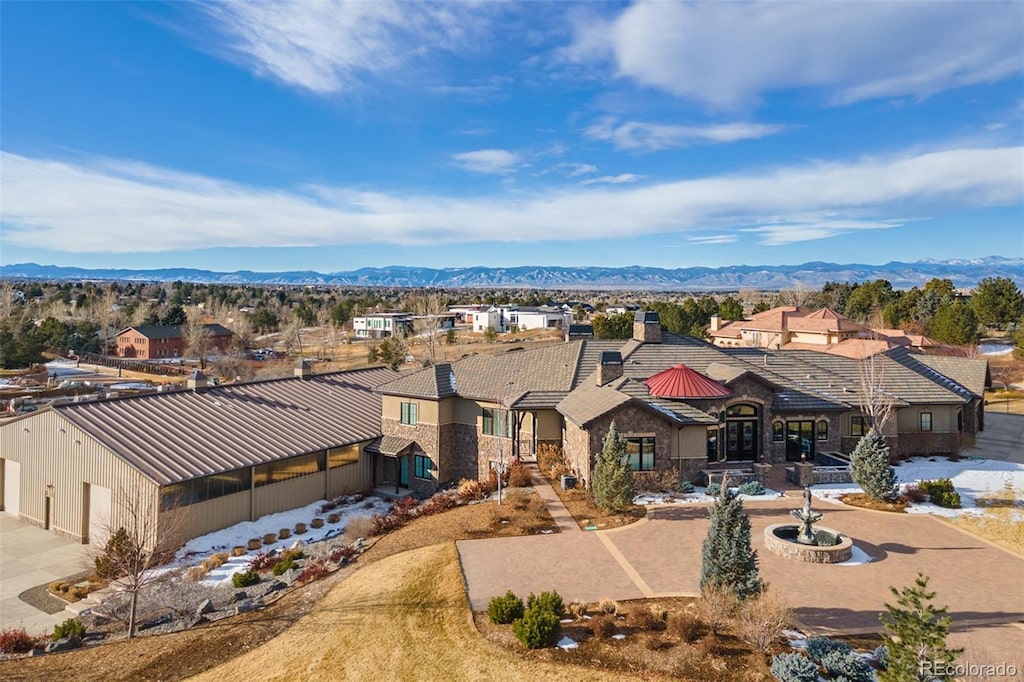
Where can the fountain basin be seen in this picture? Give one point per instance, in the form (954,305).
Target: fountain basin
(780,538)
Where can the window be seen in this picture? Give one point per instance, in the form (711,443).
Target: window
(778,431)
(926,421)
(497,423)
(287,469)
(423,465)
(821,430)
(741,411)
(203,489)
(348,454)
(409,413)
(713,444)
(858,426)
(640,453)
(960,421)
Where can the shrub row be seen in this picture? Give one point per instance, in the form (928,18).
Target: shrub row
(405,510)
(17,641)
(535,626)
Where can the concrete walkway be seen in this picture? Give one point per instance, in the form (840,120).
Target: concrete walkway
(1002,439)
(559,513)
(31,556)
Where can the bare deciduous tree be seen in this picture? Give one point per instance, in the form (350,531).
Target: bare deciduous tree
(875,400)
(198,341)
(108,316)
(427,310)
(140,538)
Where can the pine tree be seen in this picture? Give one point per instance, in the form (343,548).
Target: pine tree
(728,560)
(869,467)
(613,478)
(915,634)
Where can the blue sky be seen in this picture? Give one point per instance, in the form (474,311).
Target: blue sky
(332,136)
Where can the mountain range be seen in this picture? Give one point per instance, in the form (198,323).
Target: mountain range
(963,273)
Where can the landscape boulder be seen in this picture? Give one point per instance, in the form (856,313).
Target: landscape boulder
(65,644)
(205,606)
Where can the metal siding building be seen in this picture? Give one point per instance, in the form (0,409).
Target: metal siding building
(212,454)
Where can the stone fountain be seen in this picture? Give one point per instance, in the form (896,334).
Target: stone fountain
(819,545)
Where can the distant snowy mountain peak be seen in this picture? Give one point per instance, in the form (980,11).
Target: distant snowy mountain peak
(965,273)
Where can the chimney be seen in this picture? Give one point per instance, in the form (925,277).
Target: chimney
(196,380)
(609,366)
(716,323)
(647,327)
(303,370)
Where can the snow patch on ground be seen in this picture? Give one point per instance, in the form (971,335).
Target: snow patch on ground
(225,539)
(567,643)
(858,558)
(699,495)
(618,636)
(797,640)
(972,479)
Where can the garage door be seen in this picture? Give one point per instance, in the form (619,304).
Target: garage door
(12,487)
(99,514)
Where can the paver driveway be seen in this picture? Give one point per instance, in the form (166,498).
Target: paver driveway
(661,556)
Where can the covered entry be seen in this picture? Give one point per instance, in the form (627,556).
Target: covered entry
(391,470)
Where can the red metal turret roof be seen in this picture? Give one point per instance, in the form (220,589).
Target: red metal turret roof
(679,381)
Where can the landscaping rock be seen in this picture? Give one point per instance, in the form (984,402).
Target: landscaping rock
(289,576)
(65,644)
(156,622)
(240,595)
(296,544)
(249,605)
(206,606)
(278,585)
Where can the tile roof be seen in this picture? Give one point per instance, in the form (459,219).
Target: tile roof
(971,373)
(391,446)
(436,382)
(588,402)
(172,437)
(539,400)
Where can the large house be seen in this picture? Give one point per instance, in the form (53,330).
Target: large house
(231,453)
(217,455)
(161,341)
(799,328)
(682,404)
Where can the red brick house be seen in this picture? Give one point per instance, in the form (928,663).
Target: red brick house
(155,342)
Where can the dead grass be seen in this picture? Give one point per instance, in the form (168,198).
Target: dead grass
(865,501)
(483,520)
(1003,522)
(651,649)
(403,618)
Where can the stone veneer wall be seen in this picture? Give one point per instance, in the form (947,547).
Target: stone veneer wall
(427,437)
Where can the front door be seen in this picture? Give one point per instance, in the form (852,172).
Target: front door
(403,472)
(799,440)
(741,439)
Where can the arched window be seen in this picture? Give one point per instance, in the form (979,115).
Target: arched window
(822,429)
(741,411)
(778,431)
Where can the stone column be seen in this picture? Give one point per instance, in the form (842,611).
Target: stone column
(805,473)
(763,473)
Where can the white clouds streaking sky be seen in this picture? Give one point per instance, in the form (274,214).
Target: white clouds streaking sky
(336,134)
(105,204)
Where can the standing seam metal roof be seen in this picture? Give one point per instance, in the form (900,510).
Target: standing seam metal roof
(173,437)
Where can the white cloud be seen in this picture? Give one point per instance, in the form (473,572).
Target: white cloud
(714,239)
(638,135)
(491,161)
(729,54)
(578,169)
(124,207)
(622,179)
(811,228)
(331,46)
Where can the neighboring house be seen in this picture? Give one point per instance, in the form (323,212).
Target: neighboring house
(798,328)
(382,325)
(682,404)
(154,342)
(217,455)
(513,317)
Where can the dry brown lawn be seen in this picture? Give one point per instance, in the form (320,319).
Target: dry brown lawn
(865,501)
(1003,524)
(403,618)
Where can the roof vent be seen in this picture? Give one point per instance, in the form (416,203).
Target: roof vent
(196,380)
(303,370)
